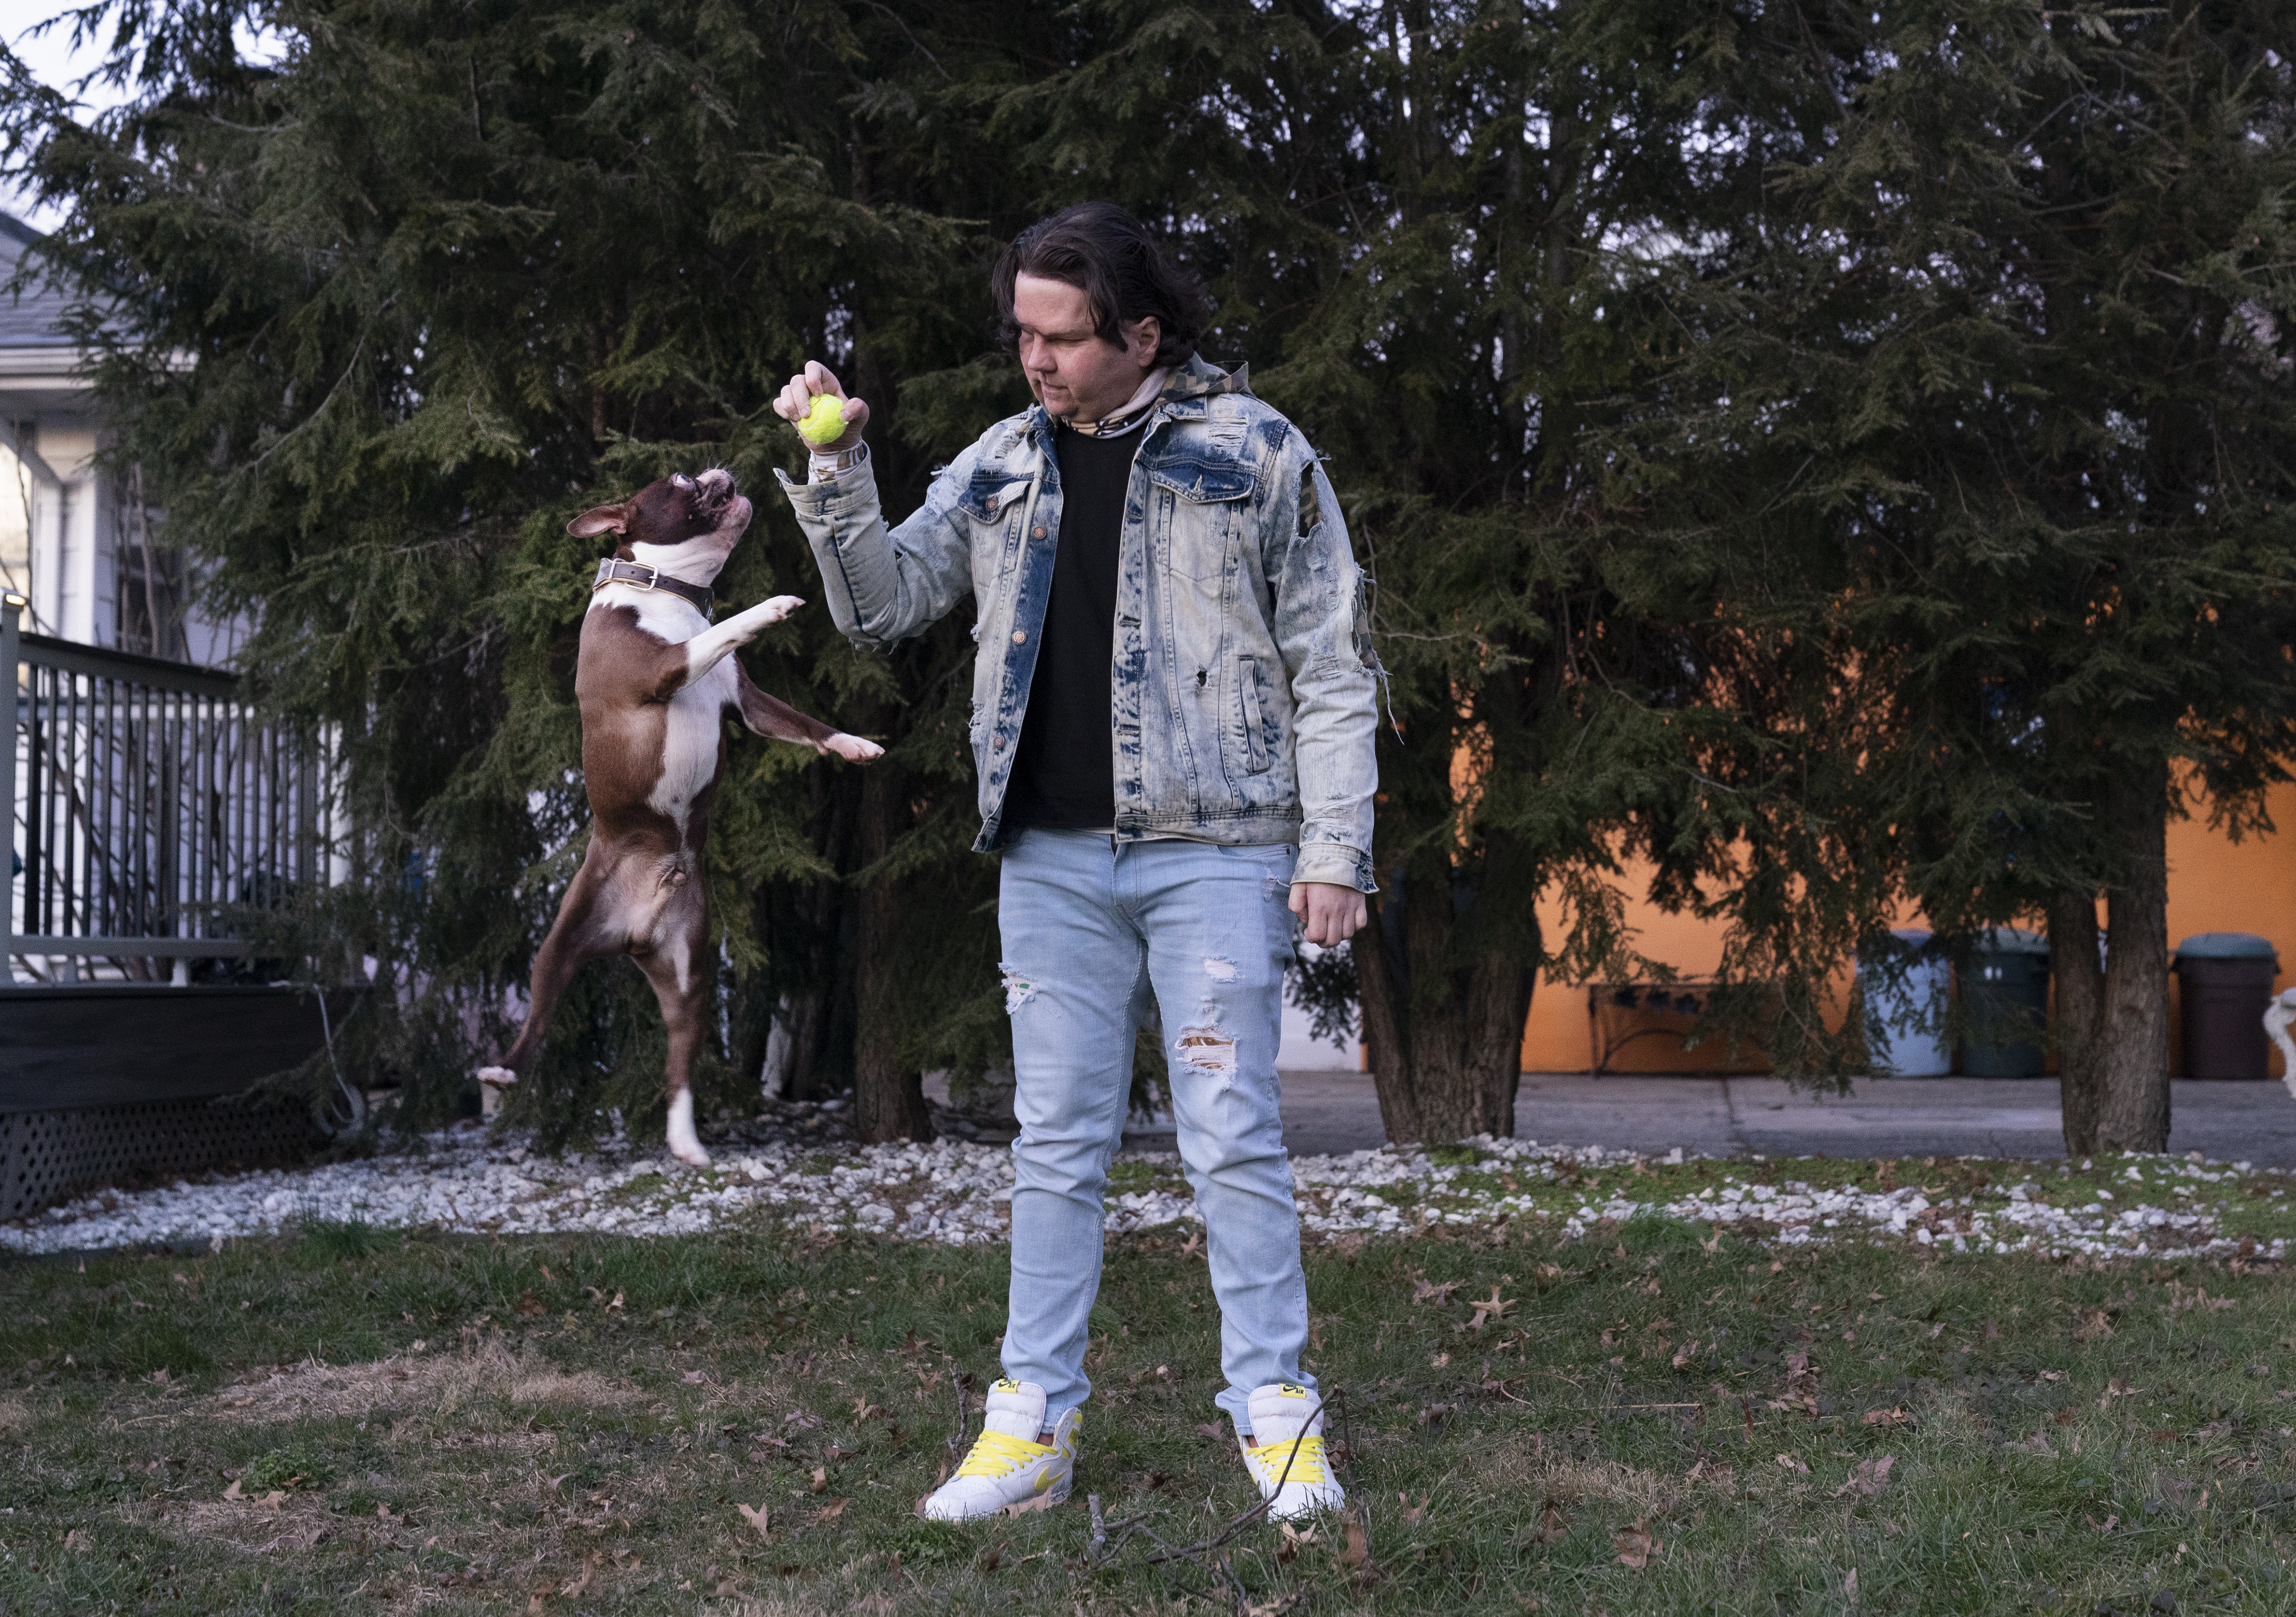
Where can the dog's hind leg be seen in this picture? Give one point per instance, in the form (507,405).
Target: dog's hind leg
(678,965)
(579,933)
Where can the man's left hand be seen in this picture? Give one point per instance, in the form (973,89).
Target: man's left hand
(1333,913)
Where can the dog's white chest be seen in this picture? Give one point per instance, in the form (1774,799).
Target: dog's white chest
(689,742)
(693,726)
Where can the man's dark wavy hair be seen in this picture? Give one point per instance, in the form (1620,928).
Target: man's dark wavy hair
(1110,255)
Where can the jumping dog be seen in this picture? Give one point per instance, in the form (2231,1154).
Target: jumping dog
(655,683)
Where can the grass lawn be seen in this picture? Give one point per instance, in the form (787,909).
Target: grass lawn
(1653,1416)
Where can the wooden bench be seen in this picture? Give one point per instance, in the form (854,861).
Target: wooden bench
(1618,1014)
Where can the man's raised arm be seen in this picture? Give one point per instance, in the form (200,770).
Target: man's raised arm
(882,584)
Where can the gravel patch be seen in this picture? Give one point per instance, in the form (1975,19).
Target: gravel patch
(470,1180)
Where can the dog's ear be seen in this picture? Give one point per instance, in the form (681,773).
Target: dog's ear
(601,519)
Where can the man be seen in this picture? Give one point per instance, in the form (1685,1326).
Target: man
(1173,724)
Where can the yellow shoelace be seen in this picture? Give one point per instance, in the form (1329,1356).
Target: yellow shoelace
(1307,1462)
(996,1455)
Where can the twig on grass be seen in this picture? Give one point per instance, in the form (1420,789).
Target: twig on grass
(1109,1538)
(955,1441)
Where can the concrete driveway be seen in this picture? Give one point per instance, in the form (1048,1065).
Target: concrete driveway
(1894,1117)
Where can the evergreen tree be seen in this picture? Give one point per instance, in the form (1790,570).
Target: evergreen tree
(1840,455)
(377,320)
(1996,387)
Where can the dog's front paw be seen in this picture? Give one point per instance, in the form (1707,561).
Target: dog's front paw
(779,607)
(852,749)
(500,1078)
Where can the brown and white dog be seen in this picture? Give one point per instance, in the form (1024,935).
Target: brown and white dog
(656,682)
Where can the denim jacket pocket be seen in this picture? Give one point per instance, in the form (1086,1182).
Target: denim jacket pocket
(1255,754)
(1200,501)
(990,493)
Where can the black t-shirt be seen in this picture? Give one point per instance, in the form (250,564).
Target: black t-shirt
(1063,772)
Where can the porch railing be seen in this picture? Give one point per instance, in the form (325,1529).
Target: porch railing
(145,801)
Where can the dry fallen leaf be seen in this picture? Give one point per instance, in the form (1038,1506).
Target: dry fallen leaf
(820,1479)
(694,1378)
(989,1559)
(576,1586)
(1899,1417)
(1685,1352)
(1634,1545)
(830,1510)
(1355,1556)
(1792,1464)
(1869,1477)
(760,1518)
(1492,1308)
(1550,1529)
(1849,1586)
(1424,1290)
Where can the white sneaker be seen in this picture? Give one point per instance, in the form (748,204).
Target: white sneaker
(1007,1466)
(1285,1455)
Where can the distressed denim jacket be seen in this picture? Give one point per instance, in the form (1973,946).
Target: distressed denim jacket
(1243,709)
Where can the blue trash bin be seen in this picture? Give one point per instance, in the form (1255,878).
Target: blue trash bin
(1912,1008)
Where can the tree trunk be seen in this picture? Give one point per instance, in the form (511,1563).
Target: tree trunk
(2079,979)
(1380,991)
(888,1098)
(2132,1054)
(1446,1046)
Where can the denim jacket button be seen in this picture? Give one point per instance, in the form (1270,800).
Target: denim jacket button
(1020,636)
(996,744)
(1038,532)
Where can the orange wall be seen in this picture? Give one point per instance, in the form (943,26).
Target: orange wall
(2214,886)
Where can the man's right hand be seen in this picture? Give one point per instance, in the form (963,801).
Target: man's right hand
(795,400)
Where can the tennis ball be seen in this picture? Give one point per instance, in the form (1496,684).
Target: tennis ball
(824,424)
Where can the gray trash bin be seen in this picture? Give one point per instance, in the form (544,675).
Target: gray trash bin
(1912,1008)
(2224,980)
(2005,1005)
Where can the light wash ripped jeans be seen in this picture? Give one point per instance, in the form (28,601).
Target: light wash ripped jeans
(1089,927)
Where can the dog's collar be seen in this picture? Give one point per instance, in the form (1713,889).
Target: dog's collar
(611,570)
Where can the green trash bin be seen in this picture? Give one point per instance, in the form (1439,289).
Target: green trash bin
(2005,1005)
(2224,981)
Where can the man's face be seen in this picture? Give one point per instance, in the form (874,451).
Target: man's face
(1075,373)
